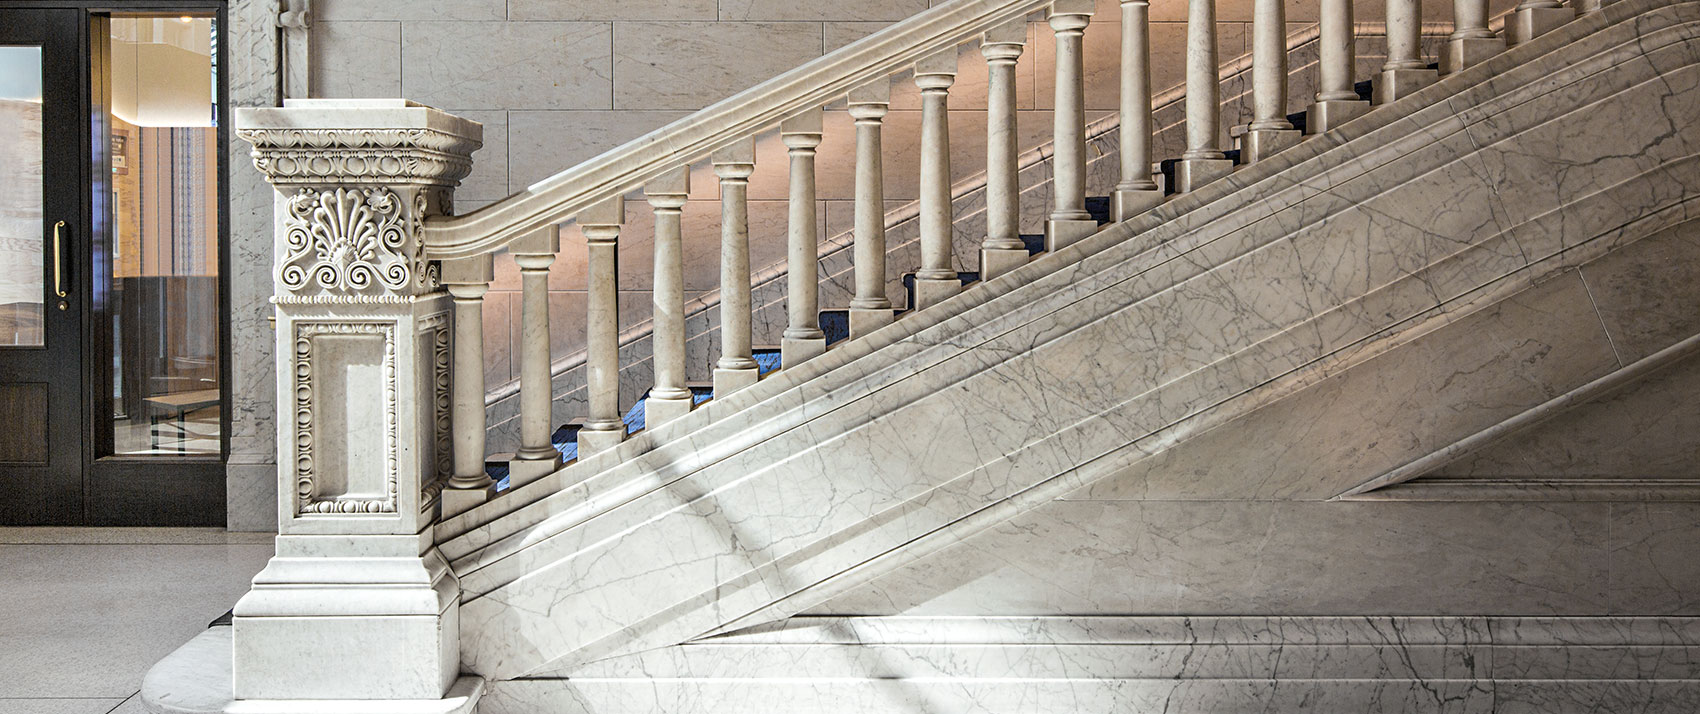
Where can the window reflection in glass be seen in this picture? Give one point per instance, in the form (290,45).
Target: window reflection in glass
(164,231)
(22,235)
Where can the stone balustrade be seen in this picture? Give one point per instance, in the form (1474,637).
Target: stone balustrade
(379,290)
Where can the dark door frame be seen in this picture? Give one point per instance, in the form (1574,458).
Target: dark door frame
(150,490)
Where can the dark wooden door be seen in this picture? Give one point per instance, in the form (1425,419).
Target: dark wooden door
(43,293)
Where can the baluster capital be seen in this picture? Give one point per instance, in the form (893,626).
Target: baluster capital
(936,72)
(735,161)
(870,102)
(802,131)
(671,190)
(1071,16)
(601,223)
(1005,42)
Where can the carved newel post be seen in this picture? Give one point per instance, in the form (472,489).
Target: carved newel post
(358,603)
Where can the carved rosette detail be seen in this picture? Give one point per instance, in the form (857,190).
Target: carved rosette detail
(348,240)
(308,500)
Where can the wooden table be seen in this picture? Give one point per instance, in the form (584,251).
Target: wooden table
(176,406)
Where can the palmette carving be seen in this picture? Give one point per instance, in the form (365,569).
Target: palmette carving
(351,240)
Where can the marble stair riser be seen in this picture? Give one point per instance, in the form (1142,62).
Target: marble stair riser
(837,271)
(810,556)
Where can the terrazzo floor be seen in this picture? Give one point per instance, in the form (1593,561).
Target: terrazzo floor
(89,610)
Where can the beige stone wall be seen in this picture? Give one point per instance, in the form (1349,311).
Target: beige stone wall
(556,82)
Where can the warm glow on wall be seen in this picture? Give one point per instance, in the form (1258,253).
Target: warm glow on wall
(162,71)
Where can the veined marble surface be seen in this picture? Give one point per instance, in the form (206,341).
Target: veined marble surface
(1228,298)
(1204,665)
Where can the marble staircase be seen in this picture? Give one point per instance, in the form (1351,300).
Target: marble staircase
(933,513)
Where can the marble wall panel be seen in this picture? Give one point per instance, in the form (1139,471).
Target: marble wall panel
(373,47)
(1464,377)
(508,65)
(1645,305)
(689,65)
(812,10)
(1653,568)
(1212,557)
(610,10)
(489,178)
(251,476)
(543,143)
(336,10)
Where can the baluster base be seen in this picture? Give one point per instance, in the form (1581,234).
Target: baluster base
(797,350)
(601,437)
(522,469)
(997,261)
(932,291)
(1126,203)
(1259,144)
(1460,53)
(1190,174)
(866,320)
(1332,114)
(1395,84)
(1530,22)
(460,500)
(659,410)
(1063,232)
(729,380)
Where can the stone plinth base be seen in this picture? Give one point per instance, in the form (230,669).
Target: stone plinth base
(1064,232)
(1459,54)
(659,410)
(196,679)
(997,261)
(866,320)
(591,441)
(932,291)
(523,470)
(727,381)
(1127,204)
(1395,84)
(1193,173)
(1331,114)
(1531,22)
(797,350)
(1259,144)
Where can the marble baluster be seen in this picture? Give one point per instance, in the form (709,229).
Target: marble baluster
(1069,221)
(937,279)
(870,309)
(802,339)
(1203,160)
(736,367)
(1471,40)
(536,457)
(1138,190)
(1002,249)
(467,279)
(603,428)
(1405,71)
(1534,18)
(669,399)
(1269,131)
(1336,101)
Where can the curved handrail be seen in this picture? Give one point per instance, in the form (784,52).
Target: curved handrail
(559,198)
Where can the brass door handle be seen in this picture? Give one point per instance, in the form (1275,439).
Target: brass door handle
(58,262)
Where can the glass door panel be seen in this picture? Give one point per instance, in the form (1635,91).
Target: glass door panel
(22,281)
(163,303)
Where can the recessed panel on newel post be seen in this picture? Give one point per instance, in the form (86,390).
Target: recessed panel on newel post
(357,603)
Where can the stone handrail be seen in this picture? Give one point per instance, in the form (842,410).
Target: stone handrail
(561,197)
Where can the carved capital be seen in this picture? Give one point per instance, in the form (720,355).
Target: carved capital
(353,241)
(327,142)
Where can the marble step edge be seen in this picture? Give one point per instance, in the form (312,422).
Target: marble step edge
(1044,696)
(970,306)
(1259,629)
